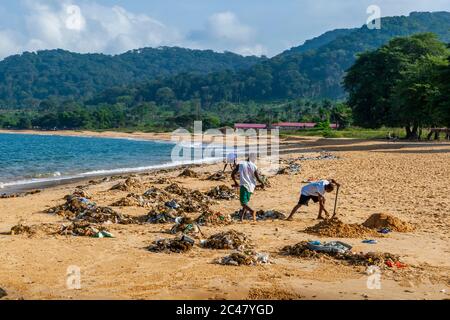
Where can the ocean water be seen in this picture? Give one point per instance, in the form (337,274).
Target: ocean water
(30,159)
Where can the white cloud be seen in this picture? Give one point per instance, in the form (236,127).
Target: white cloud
(226,26)
(256,50)
(85,27)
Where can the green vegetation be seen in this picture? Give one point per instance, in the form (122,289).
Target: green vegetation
(352,132)
(401,84)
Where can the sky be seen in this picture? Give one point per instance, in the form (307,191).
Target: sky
(247,27)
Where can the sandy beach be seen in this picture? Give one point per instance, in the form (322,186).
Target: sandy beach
(404,179)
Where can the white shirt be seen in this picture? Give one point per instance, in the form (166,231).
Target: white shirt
(247,175)
(315,189)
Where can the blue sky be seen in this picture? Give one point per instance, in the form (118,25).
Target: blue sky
(243,26)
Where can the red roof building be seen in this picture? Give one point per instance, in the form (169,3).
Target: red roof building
(256,126)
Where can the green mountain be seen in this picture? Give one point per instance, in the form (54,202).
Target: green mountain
(312,71)
(30,77)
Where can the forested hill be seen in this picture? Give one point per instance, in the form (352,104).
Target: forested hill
(30,77)
(301,72)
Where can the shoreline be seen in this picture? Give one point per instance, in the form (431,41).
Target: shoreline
(151,136)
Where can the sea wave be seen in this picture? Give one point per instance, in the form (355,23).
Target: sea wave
(58,177)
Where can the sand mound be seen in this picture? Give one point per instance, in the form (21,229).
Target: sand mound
(188,173)
(337,229)
(218,176)
(227,240)
(383,220)
(243,259)
(177,190)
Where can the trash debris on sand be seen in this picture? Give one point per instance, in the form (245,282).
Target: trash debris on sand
(178,245)
(228,240)
(338,229)
(291,169)
(132,200)
(85,229)
(213,219)
(185,225)
(161,215)
(77,208)
(222,192)
(188,173)
(130,184)
(44,228)
(322,156)
(260,215)
(384,220)
(79,192)
(244,259)
(19,195)
(163,180)
(266,181)
(379,259)
(218,176)
(156,194)
(3,293)
(176,189)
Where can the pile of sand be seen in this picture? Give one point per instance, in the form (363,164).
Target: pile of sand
(335,228)
(227,240)
(384,220)
(82,229)
(177,190)
(213,219)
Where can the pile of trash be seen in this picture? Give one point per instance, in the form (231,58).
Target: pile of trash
(163,180)
(222,192)
(244,259)
(3,293)
(337,229)
(322,156)
(187,226)
(19,195)
(213,219)
(78,208)
(189,205)
(178,245)
(177,190)
(260,215)
(85,229)
(131,184)
(384,220)
(160,215)
(132,200)
(79,192)
(199,197)
(156,194)
(291,169)
(341,251)
(188,173)
(218,176)
(228,240)
(266,181)
(45,228)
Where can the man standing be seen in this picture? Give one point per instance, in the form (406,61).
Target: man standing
(248,174)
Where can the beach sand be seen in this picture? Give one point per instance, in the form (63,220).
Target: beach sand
(407,180)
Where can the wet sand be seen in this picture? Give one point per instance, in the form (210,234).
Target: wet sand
(407,180)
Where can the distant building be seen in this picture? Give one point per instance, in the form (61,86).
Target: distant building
(294,125)
(246,126)
(298,125)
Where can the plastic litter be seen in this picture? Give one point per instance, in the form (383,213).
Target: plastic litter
(228,240)
(370,241)
(178,245)
(222,192)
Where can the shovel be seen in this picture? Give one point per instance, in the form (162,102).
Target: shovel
(335,202)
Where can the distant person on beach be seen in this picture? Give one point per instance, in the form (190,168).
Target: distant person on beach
(231,160)
(315,191)
(248,174)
